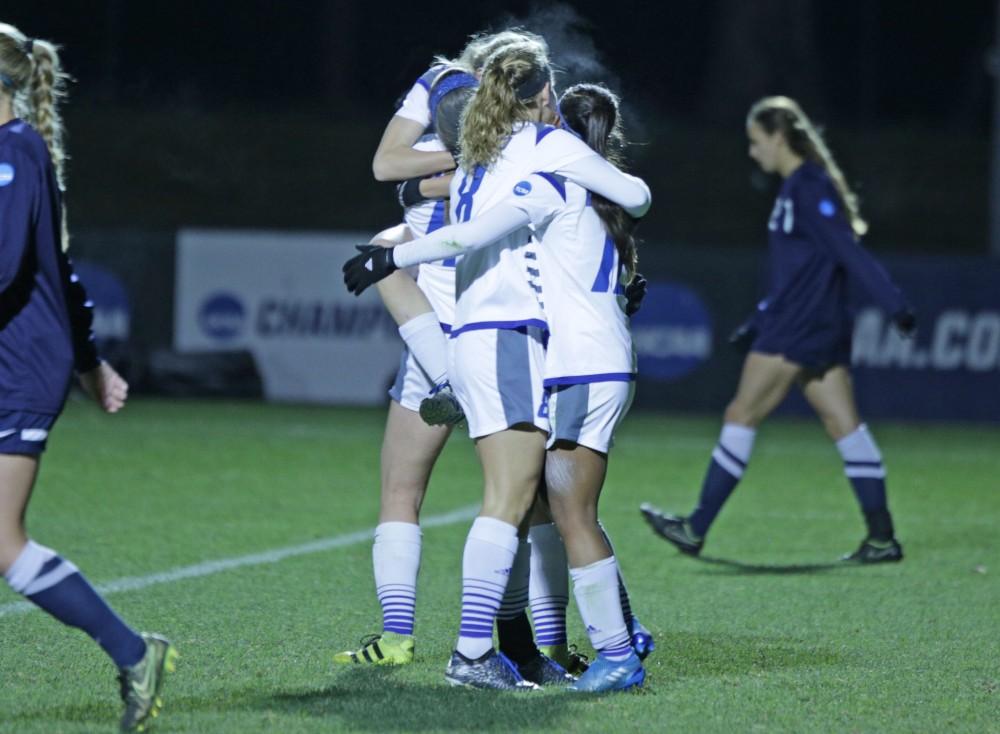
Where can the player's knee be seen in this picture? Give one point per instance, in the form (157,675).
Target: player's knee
(404,494)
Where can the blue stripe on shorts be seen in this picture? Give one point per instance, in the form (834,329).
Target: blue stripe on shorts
(514,376)
(572,403)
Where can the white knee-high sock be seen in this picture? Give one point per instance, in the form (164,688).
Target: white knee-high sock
(426,341)
(596,589)
(515,597)
(396,560)
(548,584)
(489,554)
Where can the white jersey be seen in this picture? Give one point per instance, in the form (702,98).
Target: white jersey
(584,305)
(436,280)
(500,286)
(416,104)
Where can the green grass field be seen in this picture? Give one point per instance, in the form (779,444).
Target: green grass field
(771,637)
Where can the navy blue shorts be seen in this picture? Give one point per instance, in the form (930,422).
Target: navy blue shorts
(24,432)
(816,348)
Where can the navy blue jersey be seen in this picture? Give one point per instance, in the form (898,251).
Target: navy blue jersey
(813,256)
(45,318)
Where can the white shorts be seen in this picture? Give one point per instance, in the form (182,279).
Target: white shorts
(412,384)
(587,414)
(497,377)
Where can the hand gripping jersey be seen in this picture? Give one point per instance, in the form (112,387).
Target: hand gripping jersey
(500,286)
(589,340)
(813,253)
(45,317)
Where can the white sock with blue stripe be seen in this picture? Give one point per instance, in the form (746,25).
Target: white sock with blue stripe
(396,560)
(486,562)
(58,587)
(548,584)
(596,590)
(428,344)
(515,597)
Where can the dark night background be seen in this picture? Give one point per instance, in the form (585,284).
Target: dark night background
(265,114)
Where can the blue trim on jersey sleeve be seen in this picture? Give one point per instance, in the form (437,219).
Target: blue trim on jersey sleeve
(543,130)
(586,379)
(558,182)
(482,325)
(446,328)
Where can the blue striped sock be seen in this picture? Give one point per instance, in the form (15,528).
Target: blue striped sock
(548,584)
(396,561)
(486,563)
(58,587)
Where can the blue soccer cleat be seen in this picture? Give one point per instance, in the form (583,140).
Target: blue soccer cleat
(492,670)
(641,638)
(611,675)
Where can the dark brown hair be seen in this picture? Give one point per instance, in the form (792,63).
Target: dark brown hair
(591,110)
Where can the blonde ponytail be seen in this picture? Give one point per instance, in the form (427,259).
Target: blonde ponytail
(490,117)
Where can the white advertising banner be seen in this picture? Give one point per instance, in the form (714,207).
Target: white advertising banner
(281,296)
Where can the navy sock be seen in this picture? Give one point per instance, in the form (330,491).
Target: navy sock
(516,639)
(58,587)
(863,467)
(715,490)
(729,461)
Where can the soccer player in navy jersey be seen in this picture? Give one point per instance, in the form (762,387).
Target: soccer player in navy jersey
(801,331)
(45,334)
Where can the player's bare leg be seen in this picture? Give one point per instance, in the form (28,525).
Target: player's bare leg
(575,475)
(57,586)
(512,468)
(409,450)
(17,477)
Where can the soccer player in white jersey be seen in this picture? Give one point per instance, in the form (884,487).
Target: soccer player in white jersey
(498,359)
(410,447)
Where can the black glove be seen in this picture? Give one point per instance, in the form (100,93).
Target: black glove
(372,265)
(408,192)
(635,291)
(743,335)
(905,321)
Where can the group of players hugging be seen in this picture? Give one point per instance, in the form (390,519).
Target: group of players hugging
(512,279)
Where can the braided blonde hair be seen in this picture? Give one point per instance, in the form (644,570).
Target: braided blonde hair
(785,114)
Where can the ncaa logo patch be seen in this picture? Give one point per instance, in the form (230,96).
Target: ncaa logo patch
(522,188)
(827,208)
(6,174)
